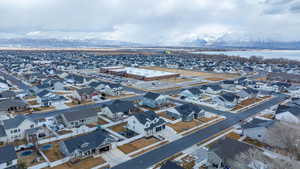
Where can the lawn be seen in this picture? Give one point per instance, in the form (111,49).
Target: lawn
(83,164)
(183,126)
(255,142)
(119,127)
(164,115)
(138,144)
(53,153)
(249,102)
(99,122)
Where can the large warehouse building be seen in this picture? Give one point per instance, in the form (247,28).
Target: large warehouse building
(139,73)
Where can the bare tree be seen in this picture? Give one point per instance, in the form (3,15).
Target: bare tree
(285,136)
(256,159)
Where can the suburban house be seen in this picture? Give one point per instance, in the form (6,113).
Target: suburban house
(248,93)
(227,84)
(75,79)
(8,157)
(84,94)
(211,89)
(87,145)
(224,151)
(147,123)
(257,129)
(15,128)
(12,105)
(186,112)
(118,108)
(191,93)
(112,89)
(47,98)
(153,100)
(171,165)
(289,114)
(7,95)
(227,100)
(77,118)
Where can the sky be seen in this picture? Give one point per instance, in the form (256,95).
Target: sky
(151,21)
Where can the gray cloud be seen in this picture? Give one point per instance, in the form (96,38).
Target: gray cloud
(167,21)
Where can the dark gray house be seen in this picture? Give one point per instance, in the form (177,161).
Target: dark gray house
(84,146)
(8,157)
(186,112)
(78,118)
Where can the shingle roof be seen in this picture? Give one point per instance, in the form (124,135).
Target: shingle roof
(2,131)
(149,116)
(88,141)
(186,109)
(229,96)
(151,95)
(257,123)
(195,91)
(250,90)
(14,122)
(86,91)
(295,110)
(120,106)
(43,93)
(7,103)
(7,94)
(227,148)
(8,153)
(80,114)
(171,165)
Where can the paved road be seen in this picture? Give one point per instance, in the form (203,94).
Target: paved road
(15,81)
(150,158)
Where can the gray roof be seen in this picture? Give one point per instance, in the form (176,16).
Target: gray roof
(195,91)
(7,103)
(86,91)
(120,106)
(80,114)
(187,109)
(171,165)
(8,153)
(229,96)
(227,148)
(89,141)
(143,117)
(14,122)
(251,90)
(295,110)
(7,94)
(151,95)
(257,123)
(2,131)
(43,93)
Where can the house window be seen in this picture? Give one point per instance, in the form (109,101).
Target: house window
(259,135)
(31,126)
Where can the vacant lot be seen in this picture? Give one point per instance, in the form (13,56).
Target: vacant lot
(194,73)
(83,164)
(183,126)
(119,127)
(138,144)
(249,102)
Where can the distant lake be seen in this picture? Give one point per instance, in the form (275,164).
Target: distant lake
(267,54)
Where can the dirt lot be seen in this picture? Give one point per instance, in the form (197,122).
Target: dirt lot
(176,80)
(183,126)
(194,73)
(53,153)
(233,135)
(83,164)
(43,109)
(249,102)
(149,149)
(138,144)
(119,127)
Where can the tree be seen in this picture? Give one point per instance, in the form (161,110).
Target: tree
(287,137)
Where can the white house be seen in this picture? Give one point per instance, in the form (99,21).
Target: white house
(191,94)
(15,128)
(153,100)
(211,89)
(112,89)
(147,123)
(227,100)
(8,157)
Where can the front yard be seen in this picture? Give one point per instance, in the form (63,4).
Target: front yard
(119,127)
(83,164)
(249,102)
(138,144)
(183,126)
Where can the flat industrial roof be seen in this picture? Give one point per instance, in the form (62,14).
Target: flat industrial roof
(143,72)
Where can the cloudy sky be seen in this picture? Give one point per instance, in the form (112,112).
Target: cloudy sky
(151,21)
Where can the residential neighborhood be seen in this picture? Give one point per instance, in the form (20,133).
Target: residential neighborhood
(100,110)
